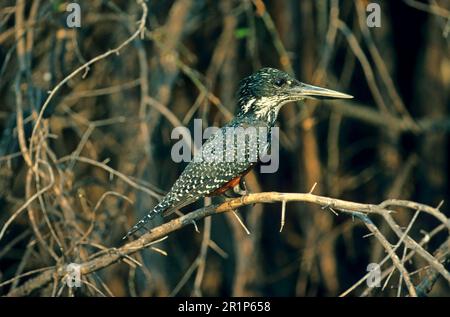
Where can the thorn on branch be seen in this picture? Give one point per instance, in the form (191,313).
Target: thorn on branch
(283,214)
(312,188)
(159,251)
(240,222)
(330,207)
(370,234)
(195,226)
(126,258)
(86,71)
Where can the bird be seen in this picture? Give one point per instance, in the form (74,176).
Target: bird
(260,97)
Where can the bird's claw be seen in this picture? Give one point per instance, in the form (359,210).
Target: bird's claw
(241,188)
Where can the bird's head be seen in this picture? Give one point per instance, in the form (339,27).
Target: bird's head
(263,93)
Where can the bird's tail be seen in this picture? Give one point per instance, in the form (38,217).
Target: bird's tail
(159,209)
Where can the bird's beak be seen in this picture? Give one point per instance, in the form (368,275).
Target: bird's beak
(309,91)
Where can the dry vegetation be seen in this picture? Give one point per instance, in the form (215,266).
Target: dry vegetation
(87,113)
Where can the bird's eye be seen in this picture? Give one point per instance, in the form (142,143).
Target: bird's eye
(280,82)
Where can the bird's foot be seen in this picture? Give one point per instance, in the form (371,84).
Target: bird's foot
(241,188)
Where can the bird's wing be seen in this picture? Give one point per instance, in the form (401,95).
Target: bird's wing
(210,169)
(179,205)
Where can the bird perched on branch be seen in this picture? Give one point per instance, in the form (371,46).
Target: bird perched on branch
(219,168)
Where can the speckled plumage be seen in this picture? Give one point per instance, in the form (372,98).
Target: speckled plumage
(204,177)
(201,178)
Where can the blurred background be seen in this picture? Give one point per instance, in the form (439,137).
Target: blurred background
(99,157)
